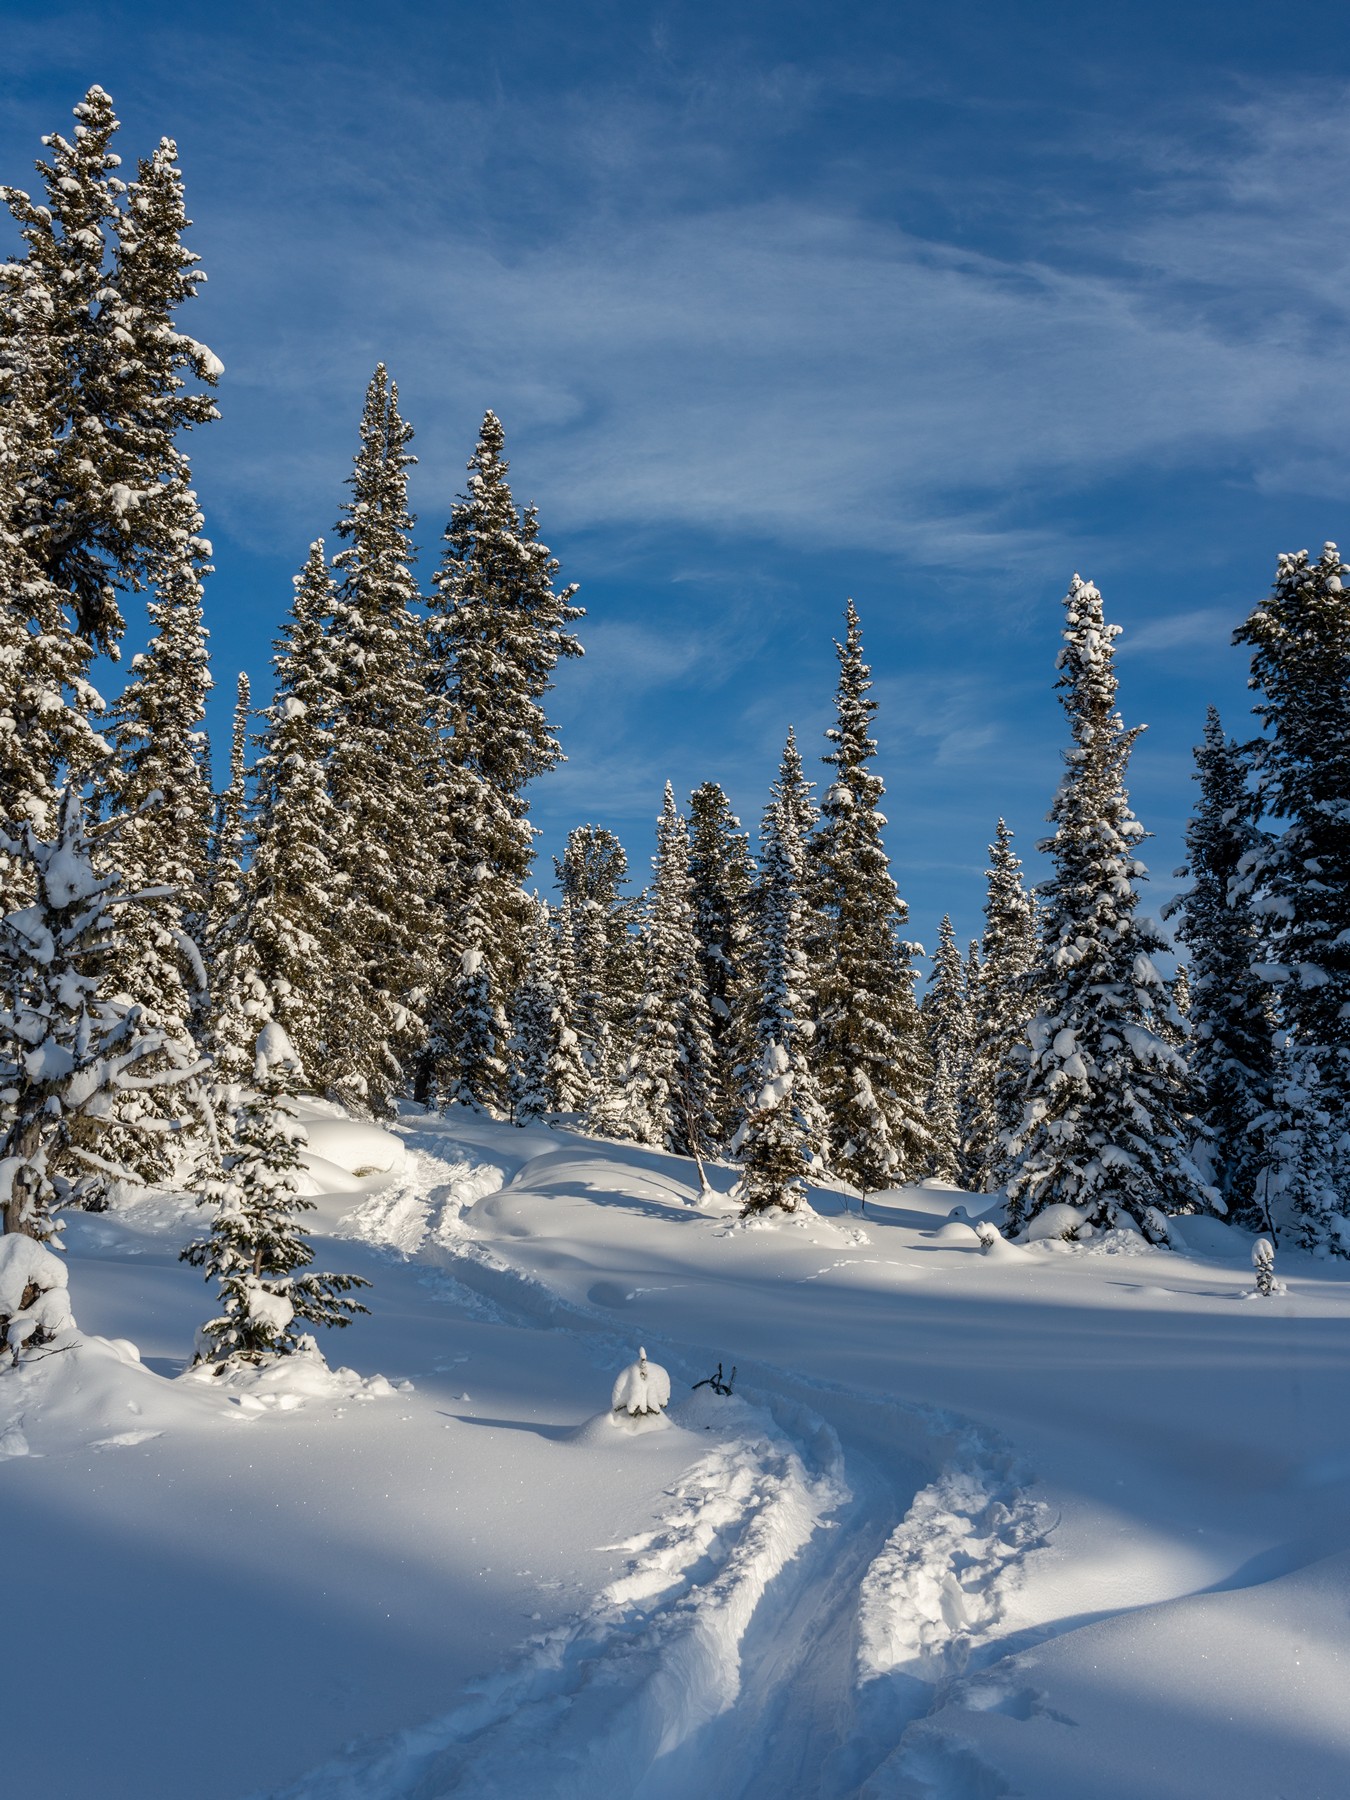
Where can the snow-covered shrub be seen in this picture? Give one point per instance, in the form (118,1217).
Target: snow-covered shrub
(1057,1221)
(643,1387)
(70,1051)
(34,1305)
(1263,1265)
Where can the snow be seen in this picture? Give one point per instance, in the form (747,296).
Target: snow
(642,1387)
(1048,1520)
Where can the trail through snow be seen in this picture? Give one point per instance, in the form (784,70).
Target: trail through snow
(1060,1524)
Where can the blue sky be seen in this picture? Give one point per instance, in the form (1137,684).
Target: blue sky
(931,305)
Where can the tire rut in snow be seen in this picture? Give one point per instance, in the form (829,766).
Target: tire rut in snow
(617,1702)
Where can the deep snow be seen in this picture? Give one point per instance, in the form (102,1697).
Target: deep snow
(1049,1521)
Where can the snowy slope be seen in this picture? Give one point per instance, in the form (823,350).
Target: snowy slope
(1046,1522)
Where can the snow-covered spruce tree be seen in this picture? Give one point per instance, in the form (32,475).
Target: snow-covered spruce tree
(671,1072)
(783,1138)
(472,1030)
(294,884)
(46,699)
(568,1076)
(256,1252)
(534,1016)
(156,785)
(1002,1003)
(388,854)
(1105,1125)
(71,1047)
(499,627)
(947,1026)
(1300,876)
(870,1058)
(600,922)
(722,877)
(107,502)
(240,1001)
(1232,1054)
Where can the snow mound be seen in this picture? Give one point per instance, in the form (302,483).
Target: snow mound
(956,1231)
(285,1383)
(34,1304)
(1058,1221)
(361,1151)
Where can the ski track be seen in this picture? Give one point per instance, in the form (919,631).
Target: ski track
(780,1633)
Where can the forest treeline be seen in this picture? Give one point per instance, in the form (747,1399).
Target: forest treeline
(356,913)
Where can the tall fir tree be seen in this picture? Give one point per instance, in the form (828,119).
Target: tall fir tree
(871,1061)
(499,628)
(600,922)
(534,1025)
(1232,1023)
(388,852)
(1105,1125)
(947,1027)
(721,873)
(1002,1004)
(107,502)
(671,1073)
(294,881)
(1299,877)
(783,1138)
(569,1077)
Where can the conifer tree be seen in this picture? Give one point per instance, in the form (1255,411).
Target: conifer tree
(871,1061)
(599,921)
(534,1025)
(783,1138)
(1105,1125)
(947,1027)
(722,877)
(568,1077)
(294,884)
(671,1072)
(240,1000)
(157,786)
(256,1252)
(498,629)
(1002,1004)
(1232,1040)
(72,1048)
(471,1039)
(388,852)
(107,503)
(1299,878)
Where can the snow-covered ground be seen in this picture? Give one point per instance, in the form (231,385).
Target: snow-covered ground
(1054,1522)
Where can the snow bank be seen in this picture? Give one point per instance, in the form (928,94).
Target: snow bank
(284,1383)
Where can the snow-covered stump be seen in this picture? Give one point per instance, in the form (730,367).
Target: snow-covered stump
(34,1304)
(641,1394)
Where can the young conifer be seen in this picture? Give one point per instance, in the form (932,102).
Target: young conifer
(256,1251)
